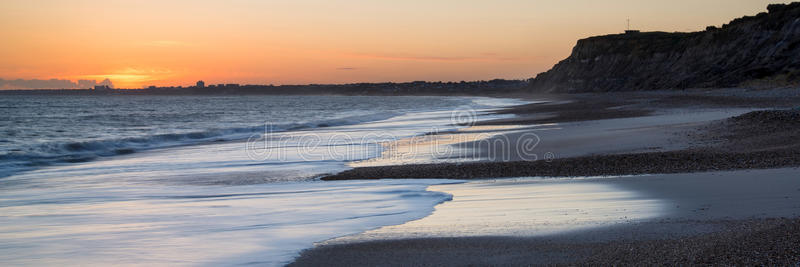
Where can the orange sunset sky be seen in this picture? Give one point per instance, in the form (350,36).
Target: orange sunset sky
(136,43)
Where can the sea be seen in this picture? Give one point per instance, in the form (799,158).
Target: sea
(205,180)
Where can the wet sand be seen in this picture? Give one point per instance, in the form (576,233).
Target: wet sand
(670,138)
(741,217)
(716,183)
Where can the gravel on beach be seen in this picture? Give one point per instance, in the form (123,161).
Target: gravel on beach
(605,165)
(740,242)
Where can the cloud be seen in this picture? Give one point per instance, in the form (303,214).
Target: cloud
(165,43)
(51,84)
(482,57)
(346,68)
(413,57)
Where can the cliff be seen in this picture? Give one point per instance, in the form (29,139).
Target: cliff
(761,50)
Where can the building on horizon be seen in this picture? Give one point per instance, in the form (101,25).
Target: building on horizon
(201,84)
(102,88)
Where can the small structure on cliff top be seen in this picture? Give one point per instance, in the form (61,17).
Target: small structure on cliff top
(628,30)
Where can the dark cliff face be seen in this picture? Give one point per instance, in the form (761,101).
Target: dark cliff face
(761,50)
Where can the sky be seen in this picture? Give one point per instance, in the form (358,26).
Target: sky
(137,43)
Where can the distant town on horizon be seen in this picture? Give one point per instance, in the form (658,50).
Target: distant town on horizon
(387,88)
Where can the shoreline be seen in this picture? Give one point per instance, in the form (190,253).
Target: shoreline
(627,137)
(729,133)
(736,217)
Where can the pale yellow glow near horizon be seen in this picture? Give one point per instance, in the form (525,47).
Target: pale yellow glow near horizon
(177,42)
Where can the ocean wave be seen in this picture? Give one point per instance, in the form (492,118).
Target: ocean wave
(82,151)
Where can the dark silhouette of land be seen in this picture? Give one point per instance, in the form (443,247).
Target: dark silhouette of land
(497,86)
(753,51)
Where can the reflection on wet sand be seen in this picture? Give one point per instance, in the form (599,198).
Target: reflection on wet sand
(439,147)
(524,207)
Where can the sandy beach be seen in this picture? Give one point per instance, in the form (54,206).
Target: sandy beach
(657,219)
(652,179)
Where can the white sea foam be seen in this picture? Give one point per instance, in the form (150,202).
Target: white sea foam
(267,224)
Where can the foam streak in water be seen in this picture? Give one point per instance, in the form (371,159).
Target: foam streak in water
(266,224)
